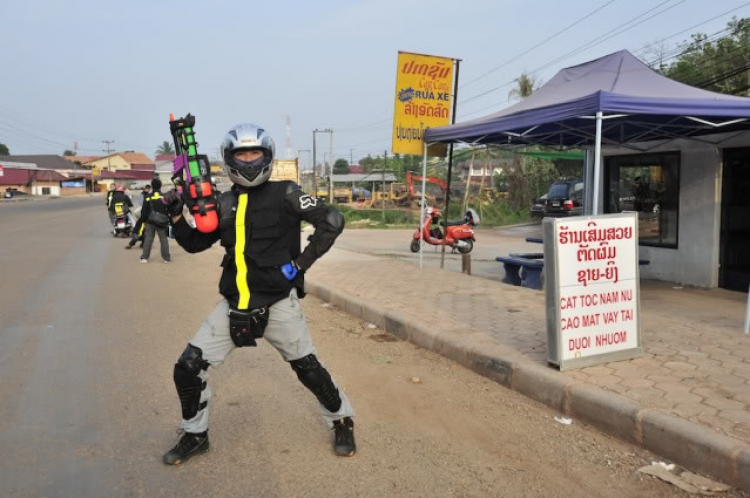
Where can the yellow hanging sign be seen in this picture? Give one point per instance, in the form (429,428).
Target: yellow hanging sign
(424,96)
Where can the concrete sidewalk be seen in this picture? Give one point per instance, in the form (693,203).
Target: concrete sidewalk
(686,399)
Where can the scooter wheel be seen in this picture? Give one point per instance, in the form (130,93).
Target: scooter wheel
(414,245)
(466,249)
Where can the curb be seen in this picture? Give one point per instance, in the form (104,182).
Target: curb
(690,445)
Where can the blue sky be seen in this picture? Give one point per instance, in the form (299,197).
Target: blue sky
(93,70)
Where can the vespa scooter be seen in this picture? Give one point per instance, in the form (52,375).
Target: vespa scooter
(459,235)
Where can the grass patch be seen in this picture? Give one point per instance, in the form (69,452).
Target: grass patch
(491,214)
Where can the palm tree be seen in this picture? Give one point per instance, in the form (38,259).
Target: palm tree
(165,148)
(526,86)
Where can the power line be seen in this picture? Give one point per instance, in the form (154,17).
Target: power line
(692,27)
(582,48)
(587,45)
(537,45)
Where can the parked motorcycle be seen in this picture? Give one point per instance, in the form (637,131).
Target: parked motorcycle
(459,235)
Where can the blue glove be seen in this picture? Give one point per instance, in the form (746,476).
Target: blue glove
(290,270)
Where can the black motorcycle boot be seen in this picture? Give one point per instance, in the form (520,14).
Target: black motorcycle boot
(343,443)
(188,446)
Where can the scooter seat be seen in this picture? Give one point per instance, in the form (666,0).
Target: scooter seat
(452,223)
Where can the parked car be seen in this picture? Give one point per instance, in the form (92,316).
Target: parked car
(537,209)
(13,192)
(564,198)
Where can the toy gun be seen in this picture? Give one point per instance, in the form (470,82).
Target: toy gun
(191,174)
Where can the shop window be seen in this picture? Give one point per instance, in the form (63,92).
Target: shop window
(648,184)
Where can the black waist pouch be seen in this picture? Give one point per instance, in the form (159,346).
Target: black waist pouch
(247,325)
(160,220)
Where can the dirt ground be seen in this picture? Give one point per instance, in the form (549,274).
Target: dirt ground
(89,339)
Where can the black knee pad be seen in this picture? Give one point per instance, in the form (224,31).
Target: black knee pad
(189,385)
(317,379)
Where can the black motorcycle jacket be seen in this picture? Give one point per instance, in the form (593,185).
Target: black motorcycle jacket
(152,203)
(259,229)
(119,197)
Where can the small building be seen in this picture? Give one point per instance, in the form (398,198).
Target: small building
(118,161)
(33,181)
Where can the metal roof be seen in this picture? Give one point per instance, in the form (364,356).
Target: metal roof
(373,176)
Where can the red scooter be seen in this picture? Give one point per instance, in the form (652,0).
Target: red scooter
(459,235)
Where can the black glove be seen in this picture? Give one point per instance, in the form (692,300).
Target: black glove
(173,200)
(247,325)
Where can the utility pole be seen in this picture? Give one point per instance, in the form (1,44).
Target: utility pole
(330,178)
(330,171)
(108,142)
(351,155)
(450,165)
(298,152)
(314,167)
(385,164)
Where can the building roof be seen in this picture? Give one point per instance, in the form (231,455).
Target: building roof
(356,169)
(164,157)
(9,164)
(143,167)
(129,157)
(81,159)
(47,161)
(13,176)
(373,176)
(126,175)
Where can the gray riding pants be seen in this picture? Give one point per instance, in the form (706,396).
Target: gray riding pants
(287,331)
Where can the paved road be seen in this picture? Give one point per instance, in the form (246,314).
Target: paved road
(89,336)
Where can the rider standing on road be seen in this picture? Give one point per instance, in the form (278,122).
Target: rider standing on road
(154,215)
(262,283)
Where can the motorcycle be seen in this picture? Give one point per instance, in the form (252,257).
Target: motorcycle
(121,222)
(459,235)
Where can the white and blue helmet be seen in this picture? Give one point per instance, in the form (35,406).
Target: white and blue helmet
(248,136)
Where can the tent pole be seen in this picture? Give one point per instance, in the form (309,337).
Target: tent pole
(422,207)
(596,204)
(588,179)
(746,330)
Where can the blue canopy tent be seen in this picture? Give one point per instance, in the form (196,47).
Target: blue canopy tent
(615,100)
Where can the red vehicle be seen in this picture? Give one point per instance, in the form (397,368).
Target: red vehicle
(459,235)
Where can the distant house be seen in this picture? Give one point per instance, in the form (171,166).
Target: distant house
(164,167)
(73,172)
(356,169)
(34,181)
(118,161)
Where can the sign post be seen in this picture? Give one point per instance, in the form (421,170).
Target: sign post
(592,289)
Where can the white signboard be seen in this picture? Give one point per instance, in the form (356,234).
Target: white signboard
(592,289)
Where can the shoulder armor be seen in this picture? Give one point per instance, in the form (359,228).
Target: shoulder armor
(291,188)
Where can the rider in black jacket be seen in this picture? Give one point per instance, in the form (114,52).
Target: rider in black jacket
(262,282)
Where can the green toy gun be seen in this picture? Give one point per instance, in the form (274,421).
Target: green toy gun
(191,174)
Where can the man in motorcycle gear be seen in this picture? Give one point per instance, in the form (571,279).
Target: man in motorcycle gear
(154,216)
(262,283)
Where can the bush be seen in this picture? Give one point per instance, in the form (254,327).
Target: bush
(373,218)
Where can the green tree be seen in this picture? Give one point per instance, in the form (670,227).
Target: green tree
(341,167)
(716,64)
(525,86)
(69,152)
(4,150)
(165,148)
